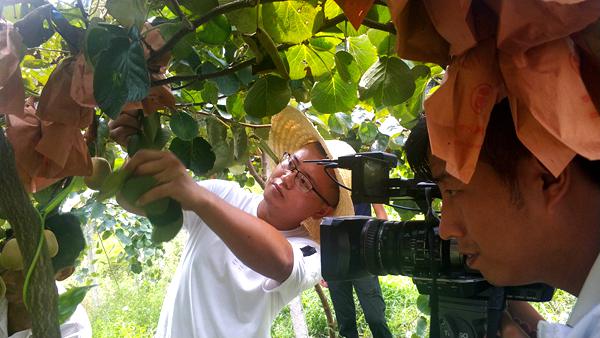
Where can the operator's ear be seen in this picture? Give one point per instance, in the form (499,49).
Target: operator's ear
(554,188)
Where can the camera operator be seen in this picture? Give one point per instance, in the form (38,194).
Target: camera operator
(517,223)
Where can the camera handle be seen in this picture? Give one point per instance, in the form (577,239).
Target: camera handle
(496,304)
(434,320)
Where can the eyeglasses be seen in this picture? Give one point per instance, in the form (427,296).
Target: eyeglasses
(301,180)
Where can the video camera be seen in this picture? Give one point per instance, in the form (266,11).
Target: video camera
(462,303)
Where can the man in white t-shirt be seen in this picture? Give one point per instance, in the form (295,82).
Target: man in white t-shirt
(15,321)
(247,255)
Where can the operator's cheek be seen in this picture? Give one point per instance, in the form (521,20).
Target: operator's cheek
(451,225)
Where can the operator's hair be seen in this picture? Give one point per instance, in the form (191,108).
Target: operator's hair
(501,148)
(67,229)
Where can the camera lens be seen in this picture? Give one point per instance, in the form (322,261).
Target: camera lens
(410,248)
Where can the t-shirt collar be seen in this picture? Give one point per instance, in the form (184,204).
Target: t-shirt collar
(589,295)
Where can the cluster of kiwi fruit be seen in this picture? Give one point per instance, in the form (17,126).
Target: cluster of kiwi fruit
(165,214)
(11,258)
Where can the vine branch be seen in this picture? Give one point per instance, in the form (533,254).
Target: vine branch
(254,126)
(200,77)
(26,223)
(327,310)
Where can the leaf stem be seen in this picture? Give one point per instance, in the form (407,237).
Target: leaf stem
(259,179)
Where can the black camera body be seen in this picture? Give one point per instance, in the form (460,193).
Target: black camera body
(463,304)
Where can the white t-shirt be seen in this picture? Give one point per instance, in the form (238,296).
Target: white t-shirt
(584,321)
(77,326)
(213,294)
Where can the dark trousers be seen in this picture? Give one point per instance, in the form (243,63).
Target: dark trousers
(371,301)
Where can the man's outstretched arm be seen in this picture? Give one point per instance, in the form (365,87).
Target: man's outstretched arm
(255,242)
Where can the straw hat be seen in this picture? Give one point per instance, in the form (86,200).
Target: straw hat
(290,131)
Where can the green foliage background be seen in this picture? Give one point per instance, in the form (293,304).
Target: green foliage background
(233,65)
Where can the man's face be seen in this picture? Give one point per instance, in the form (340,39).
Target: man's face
(502,238)
(285,199)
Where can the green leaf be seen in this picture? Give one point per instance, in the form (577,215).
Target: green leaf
(69,300)
(29,61)
(135,267)
(423,304)
(217,137)
(227,84)
(243,19)
(106,234)
(390,126)
(216,131)
(363,51)
(332,9)
(214,32)
(240,142)
(97,39)
(381,143)
(301,57)
(198,8)
(408,111)
(397,142)
(223,156)
(210,92)
(389,82)
(347,66)
(150,127)
(184,49)
(367,132)
(112,184)
(325,42)
(290,21)
(196,155)
(348,30)
(340,123)
(384,42)
(128,12)
(123,77)
(267,96)
(184,126)
(334,95)
(235,106)
(380,13)
(422,326)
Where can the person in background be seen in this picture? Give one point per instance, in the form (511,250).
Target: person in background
(15,321)
(367,289)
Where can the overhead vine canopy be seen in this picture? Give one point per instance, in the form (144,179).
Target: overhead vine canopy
(215,72)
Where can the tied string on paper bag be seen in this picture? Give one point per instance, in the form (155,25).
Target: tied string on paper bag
(12,94)
(46,151)
(520,49)
(48,141)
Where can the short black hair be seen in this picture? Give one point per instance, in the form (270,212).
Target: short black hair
(67,229)
(501,148)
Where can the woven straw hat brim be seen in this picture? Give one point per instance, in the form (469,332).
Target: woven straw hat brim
(290,131)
